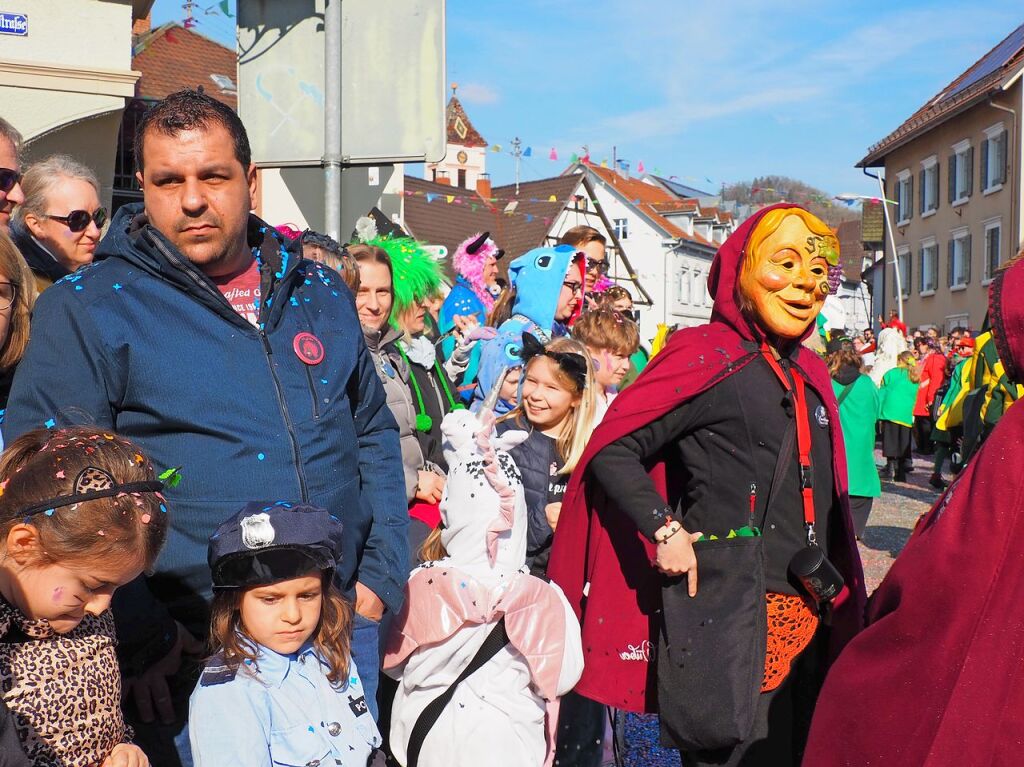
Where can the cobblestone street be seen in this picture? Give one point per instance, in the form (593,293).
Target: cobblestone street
(893,517)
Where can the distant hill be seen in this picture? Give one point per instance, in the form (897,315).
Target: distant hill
(764,190)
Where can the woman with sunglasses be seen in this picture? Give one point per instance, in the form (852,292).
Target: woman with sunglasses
(60,223)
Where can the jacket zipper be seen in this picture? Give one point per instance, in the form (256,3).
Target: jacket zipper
(312,393)
(289,426)
(278,390)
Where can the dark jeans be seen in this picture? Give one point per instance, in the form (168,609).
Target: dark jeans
(580,740)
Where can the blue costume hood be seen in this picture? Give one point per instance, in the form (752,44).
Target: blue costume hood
(538,276)
(497,354)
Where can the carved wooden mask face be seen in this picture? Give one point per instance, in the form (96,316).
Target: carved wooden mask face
(785,280)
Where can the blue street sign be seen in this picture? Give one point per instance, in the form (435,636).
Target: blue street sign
(13,24)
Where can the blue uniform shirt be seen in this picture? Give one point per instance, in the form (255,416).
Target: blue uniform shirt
(280,710)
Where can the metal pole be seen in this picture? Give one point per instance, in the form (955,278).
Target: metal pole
(332,119)
(892,239)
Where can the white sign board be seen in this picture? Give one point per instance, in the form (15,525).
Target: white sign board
(393,80)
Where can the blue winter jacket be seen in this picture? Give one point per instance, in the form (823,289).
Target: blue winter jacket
(142,342)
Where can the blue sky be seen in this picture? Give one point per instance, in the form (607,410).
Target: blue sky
(724,90)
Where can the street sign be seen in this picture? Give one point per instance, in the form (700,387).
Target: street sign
(14,24)
(392,69)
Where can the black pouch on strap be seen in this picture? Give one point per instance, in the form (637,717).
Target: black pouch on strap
(712,647)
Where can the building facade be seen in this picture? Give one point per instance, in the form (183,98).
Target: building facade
(953,174)
(65,80)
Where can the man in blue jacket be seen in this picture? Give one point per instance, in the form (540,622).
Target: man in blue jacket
(199,335)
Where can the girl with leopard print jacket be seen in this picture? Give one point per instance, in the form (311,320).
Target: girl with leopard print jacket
(80,515)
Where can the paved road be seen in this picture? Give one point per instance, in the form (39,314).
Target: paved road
(893,517)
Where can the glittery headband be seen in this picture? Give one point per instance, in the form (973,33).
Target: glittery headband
(90,484)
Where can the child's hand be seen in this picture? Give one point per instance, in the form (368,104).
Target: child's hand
(126,755)
(430,487)
(551,511)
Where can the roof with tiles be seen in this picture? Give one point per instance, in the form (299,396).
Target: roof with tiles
(646,198)
(171,58)
(460,129)
(524,226)
(986,75)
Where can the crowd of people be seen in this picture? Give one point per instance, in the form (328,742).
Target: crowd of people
(268,498)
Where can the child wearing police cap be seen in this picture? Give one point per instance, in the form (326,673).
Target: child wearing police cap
(281,687)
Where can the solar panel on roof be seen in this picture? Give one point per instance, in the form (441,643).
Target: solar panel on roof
(992,61)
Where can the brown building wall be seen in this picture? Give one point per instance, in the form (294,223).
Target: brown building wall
(944,305)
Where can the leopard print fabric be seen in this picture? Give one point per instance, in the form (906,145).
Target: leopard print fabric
(791,626)
(64,690)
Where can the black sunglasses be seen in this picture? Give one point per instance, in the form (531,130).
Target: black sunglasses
(8,179)
(78,220)
(601,267)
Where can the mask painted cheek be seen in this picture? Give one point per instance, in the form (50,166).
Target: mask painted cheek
(773,280)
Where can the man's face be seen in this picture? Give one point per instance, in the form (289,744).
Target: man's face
(14,195)
(786,280)
(199,196)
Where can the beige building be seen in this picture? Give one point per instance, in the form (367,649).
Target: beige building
(953,169)
(65,78)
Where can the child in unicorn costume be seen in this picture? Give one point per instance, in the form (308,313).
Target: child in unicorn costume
(505,712)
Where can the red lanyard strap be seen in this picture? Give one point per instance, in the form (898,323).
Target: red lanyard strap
(803,436)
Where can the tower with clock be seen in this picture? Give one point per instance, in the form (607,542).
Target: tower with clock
(465,164)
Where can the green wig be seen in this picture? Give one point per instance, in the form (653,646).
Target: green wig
(416,275)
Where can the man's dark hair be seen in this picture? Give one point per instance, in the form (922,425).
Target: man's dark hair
(189,110)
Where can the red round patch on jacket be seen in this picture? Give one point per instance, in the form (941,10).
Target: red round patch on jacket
(308,348)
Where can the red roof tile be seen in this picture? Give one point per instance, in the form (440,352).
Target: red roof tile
(171,58)
(646,198)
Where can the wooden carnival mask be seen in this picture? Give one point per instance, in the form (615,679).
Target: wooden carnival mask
(785,274)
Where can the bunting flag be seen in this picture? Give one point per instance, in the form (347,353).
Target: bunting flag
(528,152)
(604,163)
(552,198)
(640,167)
(553,155)
(496,148)
(225,9)
(170,38)
(575,158)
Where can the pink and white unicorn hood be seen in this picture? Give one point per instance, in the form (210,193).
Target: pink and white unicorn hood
(505,713)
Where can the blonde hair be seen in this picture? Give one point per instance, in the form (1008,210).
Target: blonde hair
(906,361)
(576,431)
(46,175)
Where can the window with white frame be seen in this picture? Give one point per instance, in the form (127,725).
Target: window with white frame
(929,185)
(621,226)
(683,285)
(993,246)
(961,172)
(993,158)
(708,300)
(959,262)
(929,268)
(903,263)
(904,196)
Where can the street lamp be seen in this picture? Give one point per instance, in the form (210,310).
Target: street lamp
(850,197)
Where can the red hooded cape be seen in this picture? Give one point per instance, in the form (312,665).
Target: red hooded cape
(937,677)
(596,542)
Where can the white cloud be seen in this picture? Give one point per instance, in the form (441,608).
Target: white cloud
(477,93)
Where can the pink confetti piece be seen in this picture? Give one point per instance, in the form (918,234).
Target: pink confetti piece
(60,474)
(145,519)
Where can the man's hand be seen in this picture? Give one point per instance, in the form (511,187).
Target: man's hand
(150,688)
(551,511)
(676,555)
(429,486)
(368,604)
(126,755)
